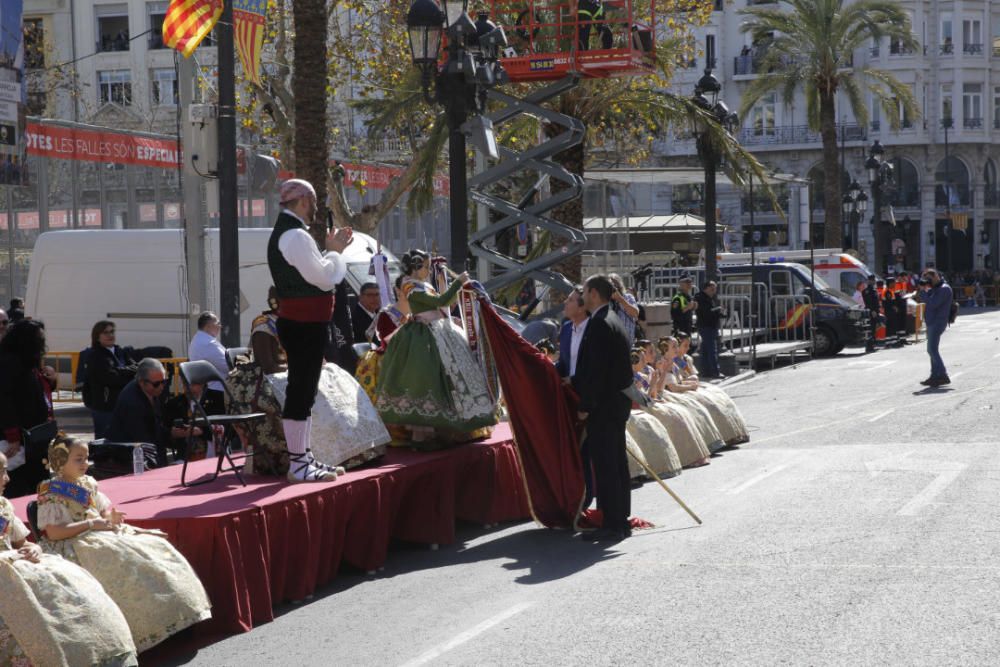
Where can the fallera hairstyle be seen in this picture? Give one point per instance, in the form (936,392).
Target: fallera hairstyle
(97,330)
(59,449)
(25,341)
(635,356)
(206,318)
(682,336)
(601,284)
(414,260)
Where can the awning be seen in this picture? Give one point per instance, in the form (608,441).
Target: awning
(660,224)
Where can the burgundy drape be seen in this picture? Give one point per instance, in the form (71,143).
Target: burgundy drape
(542,419)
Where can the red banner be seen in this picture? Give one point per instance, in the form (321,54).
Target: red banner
(100,146)
(373,177)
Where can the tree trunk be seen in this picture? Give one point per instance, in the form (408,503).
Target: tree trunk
(570,213)
(309,80)
(832,231)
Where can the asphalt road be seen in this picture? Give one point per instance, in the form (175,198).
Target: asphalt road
(860,526)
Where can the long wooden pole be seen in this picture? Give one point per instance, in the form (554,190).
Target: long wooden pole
(649,471)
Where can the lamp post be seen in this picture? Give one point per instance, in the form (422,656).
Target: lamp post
(946,123)
(706,98)
(855,203)
(880,180)
(460,86)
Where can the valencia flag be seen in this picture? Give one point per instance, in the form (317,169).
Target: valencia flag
(187,22)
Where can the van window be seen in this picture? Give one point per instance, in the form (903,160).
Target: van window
(781,283)
(849,281)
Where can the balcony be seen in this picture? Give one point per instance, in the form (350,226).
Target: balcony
(899,49)
(874,51)
(972,123)
(947,49)
(156,42)
(996,123)
(797,134)
(973,49)
(991,198)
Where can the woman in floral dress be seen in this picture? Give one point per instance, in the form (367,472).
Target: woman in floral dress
(429,381)
(142,572)
(52,612)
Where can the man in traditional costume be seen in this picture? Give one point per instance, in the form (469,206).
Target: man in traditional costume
(304,280)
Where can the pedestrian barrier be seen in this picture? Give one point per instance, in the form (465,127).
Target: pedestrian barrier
(67,366)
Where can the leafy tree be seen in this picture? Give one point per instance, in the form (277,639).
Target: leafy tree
(810,46)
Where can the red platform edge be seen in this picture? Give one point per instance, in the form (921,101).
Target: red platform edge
(270,542)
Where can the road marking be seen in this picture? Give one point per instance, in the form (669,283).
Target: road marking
(945,473)
(997,355)
(880,415)
(958,374)
(759,478)
(463,637)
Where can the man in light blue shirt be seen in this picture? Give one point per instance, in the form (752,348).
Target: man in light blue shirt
(206,346)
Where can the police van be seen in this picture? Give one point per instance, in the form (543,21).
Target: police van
(791,303)
(836,267)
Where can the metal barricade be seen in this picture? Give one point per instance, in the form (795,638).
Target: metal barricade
(66,365)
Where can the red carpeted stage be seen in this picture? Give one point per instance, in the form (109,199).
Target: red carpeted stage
(271,541)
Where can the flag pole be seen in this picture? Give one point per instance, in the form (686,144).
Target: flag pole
(229,276)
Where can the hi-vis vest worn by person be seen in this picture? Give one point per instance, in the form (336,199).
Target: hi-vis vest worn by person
(298,299)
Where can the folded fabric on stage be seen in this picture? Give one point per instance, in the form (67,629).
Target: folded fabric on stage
(541,417)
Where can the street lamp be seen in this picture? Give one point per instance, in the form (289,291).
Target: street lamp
(881,181)
(706,98)
(460,86)
(855,203)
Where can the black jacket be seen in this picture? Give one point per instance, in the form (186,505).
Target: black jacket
(603,368)
(360,321)
(870,296)
(709,311)
(681,319)
(23,405)
(137,419)
(108,371)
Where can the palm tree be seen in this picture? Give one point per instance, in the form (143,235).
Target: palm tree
(309,87)
(812,47)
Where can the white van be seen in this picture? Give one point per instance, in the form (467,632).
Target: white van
(839,269)
(137,279)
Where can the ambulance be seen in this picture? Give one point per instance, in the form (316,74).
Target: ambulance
(837,268)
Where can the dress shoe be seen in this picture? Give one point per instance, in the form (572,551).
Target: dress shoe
(607,535)
(938,382)
(928,381)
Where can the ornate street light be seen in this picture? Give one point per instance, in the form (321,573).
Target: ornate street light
(880,180)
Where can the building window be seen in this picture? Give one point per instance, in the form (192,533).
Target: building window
(762,116)
(112,28)
(34,44)
(164,86)
(946,102)
(115,87)
(996,36)
(972,36)
(157,12)
(947,44)
(996,107)
(36,103)
(972,105)
(876,115)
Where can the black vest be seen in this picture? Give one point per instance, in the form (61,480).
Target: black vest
(288,282)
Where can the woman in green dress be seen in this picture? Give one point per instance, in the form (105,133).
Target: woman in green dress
(429,381)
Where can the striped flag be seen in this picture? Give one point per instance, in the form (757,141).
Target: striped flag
(248,26)
(187,22)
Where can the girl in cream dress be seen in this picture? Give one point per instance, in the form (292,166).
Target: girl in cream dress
(147,578)
(680,425)
(726,415)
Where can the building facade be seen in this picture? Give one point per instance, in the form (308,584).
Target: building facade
(955,74)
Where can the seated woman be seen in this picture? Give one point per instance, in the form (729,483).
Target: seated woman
(651,437)
(53,612)
(727,416)
(681,428)
(141,571)
(429,381)
(673,388)
(345,428)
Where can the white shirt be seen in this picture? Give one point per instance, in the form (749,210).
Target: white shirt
(859,297)
(205,346)
(324,271)
(574,344)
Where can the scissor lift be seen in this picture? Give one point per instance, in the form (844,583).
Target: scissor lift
(545,45)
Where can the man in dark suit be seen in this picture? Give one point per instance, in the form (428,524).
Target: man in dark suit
(603,371)
(363,312)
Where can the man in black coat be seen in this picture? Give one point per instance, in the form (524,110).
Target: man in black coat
(603,372)
(364,312)
(870,296)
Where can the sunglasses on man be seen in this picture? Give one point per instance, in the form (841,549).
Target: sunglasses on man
(155,384)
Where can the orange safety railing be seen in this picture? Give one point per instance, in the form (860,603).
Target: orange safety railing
(67,365)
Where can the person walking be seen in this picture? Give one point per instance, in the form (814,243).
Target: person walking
(871,302)
(603,373)
(304,281)
(938,296)
(709,314)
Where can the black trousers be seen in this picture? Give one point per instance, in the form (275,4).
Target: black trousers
(606,443)
(303,343)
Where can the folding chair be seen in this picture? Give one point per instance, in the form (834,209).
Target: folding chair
(203,372)
(232,353)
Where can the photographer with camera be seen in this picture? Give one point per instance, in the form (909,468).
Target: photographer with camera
(709,315)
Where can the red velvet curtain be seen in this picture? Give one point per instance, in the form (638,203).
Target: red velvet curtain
(542,418)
